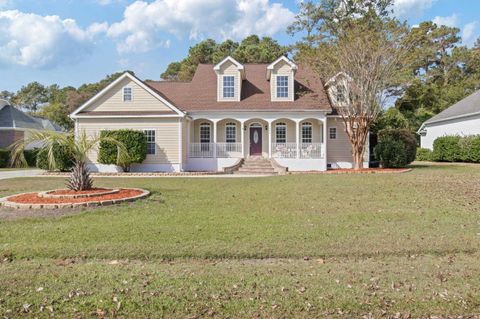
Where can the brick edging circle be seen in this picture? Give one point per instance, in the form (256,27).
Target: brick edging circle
(47,194)
(6,203)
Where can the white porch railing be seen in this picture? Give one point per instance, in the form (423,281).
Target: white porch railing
(203,150)
(228,150)
(311,150)
(284,150)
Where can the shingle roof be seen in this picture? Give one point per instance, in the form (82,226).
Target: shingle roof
(469,105)
(10,117)
(201,93)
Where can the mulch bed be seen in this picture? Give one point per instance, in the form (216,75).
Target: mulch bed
(33,198)
(71,192)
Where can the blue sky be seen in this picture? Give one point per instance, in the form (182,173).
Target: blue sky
(73,42)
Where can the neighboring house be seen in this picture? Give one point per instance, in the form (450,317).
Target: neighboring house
(462,118)
(228,111)
(14,125)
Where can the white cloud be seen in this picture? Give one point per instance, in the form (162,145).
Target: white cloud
(146,25)
(108,2)
(43,41)
(450,21)
(408,8)
(4,3)
(470,33)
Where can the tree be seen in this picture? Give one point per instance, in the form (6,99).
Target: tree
(6,95)
(390,119)
(251,50)
(31,96)
(359,40)
(57,113)
(76,147)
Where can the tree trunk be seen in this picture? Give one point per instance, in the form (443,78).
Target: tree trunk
(357,158)
(80,177)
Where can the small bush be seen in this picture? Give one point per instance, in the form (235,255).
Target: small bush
(447,149)
(63,159)
(134,141)
(406,137)
(424,154)
(31,157)
(470,148)
(391,153)
(4,158)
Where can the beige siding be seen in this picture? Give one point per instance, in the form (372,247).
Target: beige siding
(229,69)
(340,149)
(184,124)
(166,135)
(142,100)
(282,68)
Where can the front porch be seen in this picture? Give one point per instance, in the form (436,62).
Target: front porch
(293,142)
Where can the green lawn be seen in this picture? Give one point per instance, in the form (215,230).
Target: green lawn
(294,246)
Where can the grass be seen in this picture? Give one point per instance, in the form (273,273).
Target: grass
(293,246)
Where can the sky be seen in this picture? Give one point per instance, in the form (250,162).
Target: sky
(71,42)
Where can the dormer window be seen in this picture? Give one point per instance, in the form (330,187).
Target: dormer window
(127,94)
(228,86)
(282,86)
(341,94)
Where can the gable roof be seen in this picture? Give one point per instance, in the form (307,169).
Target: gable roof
(155,93)
(466,107)
(201,93)
(13,118)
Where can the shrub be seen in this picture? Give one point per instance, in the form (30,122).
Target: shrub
(31,157)
(4,158)
(402,135)
(470,148)
(62,158)
(391,153)
(424,154)
(447,149)
(134,141)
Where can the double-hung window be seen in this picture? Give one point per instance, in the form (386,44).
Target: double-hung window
(205,133)
(150,136)
(341,94)
(307,133)
(282,86)
(228,86)
(332,133)
(127,94)
(281,133)
(231,132)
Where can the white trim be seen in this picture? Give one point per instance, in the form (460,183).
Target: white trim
(180,143)
(285,59)
(121,116)
(230,59)
(121,78)
(447,119)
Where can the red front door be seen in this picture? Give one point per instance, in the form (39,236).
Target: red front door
(255,141)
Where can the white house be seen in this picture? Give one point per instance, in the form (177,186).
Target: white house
(229,114)
(462,118)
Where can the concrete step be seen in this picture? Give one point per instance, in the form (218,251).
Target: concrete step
(255,173)
(258,170)
(257,165)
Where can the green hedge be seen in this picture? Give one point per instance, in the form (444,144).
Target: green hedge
(134,141)
(447,149)
(391,153)
(31,157)
(402,135)
(456,148)
(63,160)
(424,154)
(4,158)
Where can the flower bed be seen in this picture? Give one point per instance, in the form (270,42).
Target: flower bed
(67,199)
(360,171)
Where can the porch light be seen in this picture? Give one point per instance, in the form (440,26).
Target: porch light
(266,127)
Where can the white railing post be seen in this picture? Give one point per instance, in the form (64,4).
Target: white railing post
(242,137)
(269,139)
(324,141)
(214,139)
(297,135)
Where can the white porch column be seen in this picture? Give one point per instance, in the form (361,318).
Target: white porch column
(297,135)
(189,123)
(214,139)
(242,137)
(324,141)
(269,139)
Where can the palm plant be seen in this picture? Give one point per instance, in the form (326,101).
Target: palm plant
(77,148)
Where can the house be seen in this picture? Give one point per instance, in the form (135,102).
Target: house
(14,125)
(462,118)
(229,111)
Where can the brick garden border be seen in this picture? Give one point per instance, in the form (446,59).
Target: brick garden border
(6,203)
(48,194)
